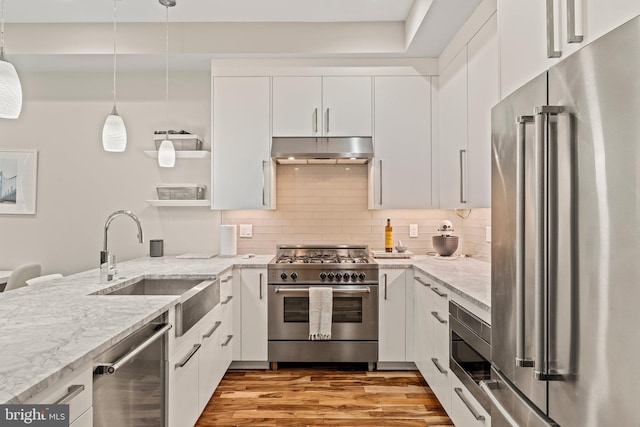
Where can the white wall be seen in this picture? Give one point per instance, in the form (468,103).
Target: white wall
(79,184)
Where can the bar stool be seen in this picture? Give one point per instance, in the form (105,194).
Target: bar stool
(20,275)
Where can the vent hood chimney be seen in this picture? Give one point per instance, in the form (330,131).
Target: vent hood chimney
(322,150)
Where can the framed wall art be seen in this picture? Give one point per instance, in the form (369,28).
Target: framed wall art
(18,181)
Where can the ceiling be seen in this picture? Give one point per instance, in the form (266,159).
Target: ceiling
(79,33)
(208,10)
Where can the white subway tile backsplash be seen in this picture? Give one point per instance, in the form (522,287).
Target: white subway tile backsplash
(328,204)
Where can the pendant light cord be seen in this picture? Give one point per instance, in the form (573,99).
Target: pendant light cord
(2,32)
(115,61)
(167,73)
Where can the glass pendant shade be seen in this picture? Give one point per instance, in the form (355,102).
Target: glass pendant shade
(10,91)
(166,154)
(114,134)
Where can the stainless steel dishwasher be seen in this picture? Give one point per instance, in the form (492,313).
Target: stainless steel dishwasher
(129,379)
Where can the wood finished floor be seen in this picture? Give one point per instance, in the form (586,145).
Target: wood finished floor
(323,396)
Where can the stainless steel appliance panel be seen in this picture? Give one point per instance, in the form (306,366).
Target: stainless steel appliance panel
(512,251)
(363,326)
(129,381)
(594,277)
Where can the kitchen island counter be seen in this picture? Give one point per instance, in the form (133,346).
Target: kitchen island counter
(50,329)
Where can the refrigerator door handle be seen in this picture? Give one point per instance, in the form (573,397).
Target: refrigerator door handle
(542,173)
(572,37)
(521,359)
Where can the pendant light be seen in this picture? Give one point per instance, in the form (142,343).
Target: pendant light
(114,133)
(166,152)
(10,87)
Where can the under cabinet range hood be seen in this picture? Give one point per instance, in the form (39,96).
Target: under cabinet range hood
(322,150)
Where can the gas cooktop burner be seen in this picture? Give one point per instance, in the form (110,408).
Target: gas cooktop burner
(320,264)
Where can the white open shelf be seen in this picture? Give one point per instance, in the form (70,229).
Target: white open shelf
(196,154)
(179,202)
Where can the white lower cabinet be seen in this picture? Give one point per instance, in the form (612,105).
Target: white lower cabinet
(431,354)
(432,337)
(84,420)
(198,363)
(465,409)
(253,328)
(76,390)
(391,316)
(183,387)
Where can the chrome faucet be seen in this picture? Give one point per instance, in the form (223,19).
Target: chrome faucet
(108,262)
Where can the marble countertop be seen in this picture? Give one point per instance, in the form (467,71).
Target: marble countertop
(50,329)
(467,277)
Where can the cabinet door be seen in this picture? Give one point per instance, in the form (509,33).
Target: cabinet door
(483,92)
(523,42)
(402,165)
(604,16)
(347,106)
(391,323)
(453,133)
(183,388)
(254,315)
(297,106)
(242,166)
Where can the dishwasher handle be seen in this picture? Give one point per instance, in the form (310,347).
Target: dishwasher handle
(112,368)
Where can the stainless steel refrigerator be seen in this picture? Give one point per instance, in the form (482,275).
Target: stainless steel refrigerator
(565,296)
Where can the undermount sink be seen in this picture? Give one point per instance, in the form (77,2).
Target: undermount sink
(157,287)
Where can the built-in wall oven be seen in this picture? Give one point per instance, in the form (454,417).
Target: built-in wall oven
(470,351)
(353,277)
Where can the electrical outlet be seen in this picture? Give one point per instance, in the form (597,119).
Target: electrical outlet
(246,230)
(413,230)
(488,233)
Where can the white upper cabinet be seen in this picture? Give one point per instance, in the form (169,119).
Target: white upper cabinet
(401,169)
(524,34)
(483,92)
(322,106)
(469,88)
(453,133)
(297,106)
(243,173)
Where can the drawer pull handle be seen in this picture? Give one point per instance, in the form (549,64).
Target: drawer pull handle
(437,292)
(440,368)
(229,298)
(226,280)
(193,351)
(437,316)
(215,327)
(226,343)
(419,280)
(72,392)
(470,407)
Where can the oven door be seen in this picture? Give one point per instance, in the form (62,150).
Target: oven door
(355,312)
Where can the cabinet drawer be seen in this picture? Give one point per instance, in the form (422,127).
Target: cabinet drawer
(76,389)
(84,420)
(465,409)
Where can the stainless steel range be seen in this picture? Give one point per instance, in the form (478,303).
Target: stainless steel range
(353,276)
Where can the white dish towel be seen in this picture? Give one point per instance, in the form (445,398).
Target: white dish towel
(320,312)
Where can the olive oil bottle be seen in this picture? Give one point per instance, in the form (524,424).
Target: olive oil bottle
(388,237)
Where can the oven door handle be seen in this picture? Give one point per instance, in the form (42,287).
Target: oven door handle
(364,290)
